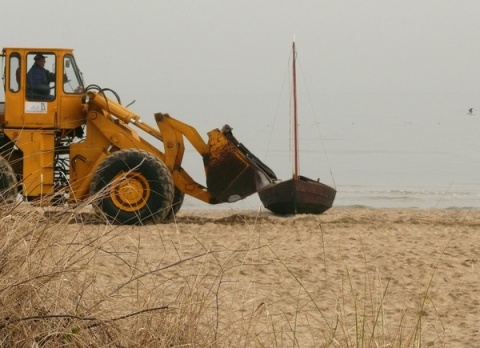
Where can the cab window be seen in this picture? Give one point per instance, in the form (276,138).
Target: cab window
(14,73)
(40,76)
(73,83)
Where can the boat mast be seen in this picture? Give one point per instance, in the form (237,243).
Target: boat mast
(295,131)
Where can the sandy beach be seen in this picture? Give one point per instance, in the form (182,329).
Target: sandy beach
(351,277)
(309,281)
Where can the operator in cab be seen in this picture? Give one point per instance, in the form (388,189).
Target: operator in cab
(38,80)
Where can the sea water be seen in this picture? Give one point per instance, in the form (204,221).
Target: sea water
(423,157)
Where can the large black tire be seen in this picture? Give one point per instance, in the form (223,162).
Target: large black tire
(176,205)
(8,182)
(132,186)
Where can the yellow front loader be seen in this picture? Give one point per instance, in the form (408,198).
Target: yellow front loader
(68,142)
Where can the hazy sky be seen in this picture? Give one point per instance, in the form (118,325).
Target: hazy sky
(370,67)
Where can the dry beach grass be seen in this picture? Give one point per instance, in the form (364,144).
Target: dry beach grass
(348,278)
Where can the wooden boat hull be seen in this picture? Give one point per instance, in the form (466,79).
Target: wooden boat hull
(301,196)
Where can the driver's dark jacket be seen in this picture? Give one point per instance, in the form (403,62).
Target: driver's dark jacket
(38,82)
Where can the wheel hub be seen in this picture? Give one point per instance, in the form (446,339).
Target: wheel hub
(130,191)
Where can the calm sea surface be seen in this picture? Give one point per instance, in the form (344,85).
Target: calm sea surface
(427,159)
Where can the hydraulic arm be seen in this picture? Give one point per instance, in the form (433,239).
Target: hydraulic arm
(232,172)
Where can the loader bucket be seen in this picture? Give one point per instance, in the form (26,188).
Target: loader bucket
(232,171)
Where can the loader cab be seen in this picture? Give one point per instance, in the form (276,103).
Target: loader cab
(42,88)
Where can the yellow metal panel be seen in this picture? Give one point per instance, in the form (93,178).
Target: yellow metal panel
(70,114)
(84,161)
(38,156)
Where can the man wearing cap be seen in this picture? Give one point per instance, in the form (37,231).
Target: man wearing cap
(38,80)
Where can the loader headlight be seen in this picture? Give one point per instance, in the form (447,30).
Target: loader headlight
(85,99)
